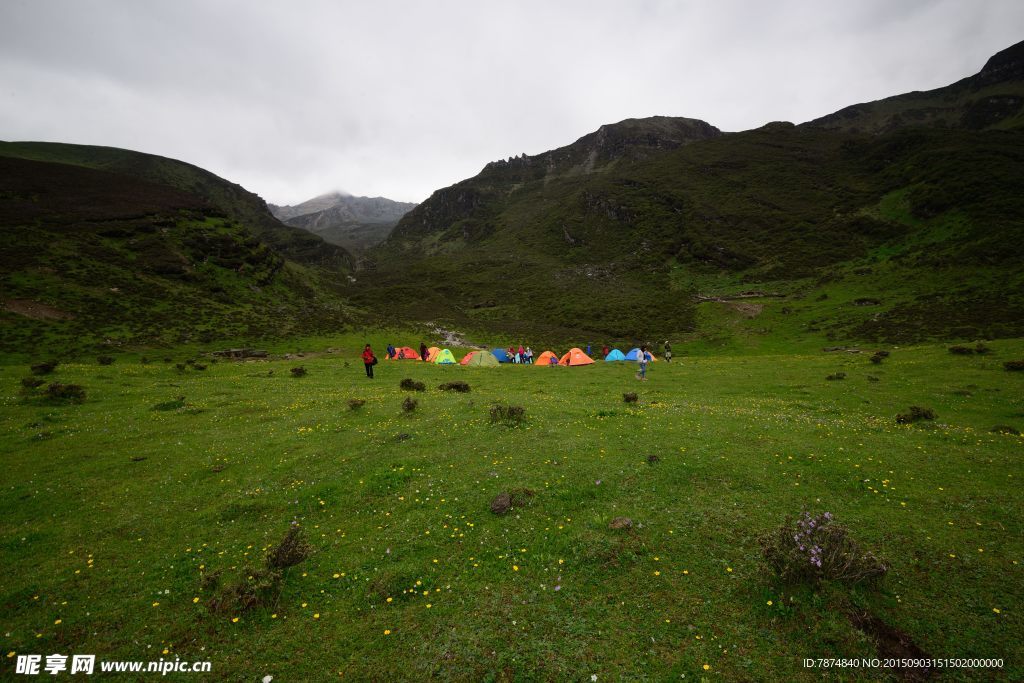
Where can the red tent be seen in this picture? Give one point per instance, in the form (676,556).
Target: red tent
(468,357)
(406,353)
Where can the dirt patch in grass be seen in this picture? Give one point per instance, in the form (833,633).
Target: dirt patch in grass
(36,310)
(892,643)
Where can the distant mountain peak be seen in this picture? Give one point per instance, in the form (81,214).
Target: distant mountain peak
(1006,64)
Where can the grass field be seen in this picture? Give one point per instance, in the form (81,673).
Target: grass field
(114,511)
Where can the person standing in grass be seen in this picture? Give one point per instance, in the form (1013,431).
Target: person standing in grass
(605,351)
(369,360)
(391,352)
(529,356)
(643,360)
(668,352)
(423,351)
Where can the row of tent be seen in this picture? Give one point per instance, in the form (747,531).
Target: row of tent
(494,358)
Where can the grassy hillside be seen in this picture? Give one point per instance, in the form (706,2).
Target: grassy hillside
(918,225)
(134,521)
(94,259)
(232,199)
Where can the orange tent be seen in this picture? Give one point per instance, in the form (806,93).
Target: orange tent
(544,359)
(465,359)
(406,353)
(432,354)
(575,357)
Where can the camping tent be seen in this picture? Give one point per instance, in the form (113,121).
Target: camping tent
(575,357)
(480,359)
(406,353)
(467,358)
(544,359)
(615,354)
(432,354)
(501,355)
(635,355)
(444,357)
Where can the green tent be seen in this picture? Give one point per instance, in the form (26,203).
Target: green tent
(483,359)
(445,357)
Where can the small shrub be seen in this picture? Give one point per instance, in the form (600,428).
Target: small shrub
(412,385)
(1014,365)
(961,350)
(1005,429)
(198,366)
(459,386)
(292,550)
(105,360)
(44,368)
(512,416)
(180,367)
(299,371)
(630,397)
(65,393)
(836,376)
(812,549)
(915,414)
(878,356)
(32,382)
(177,404)
(409,404)
(356,403)
(144,360)
(259,587)
(981,348)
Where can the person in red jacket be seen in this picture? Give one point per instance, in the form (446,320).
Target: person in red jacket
(369,360)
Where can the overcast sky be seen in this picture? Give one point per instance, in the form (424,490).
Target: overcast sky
(294,99)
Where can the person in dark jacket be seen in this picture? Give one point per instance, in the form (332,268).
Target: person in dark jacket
(423,351)
(391,352)
(369,360)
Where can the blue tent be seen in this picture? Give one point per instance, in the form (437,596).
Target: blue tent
(615,354)
(633,355)
(501,355)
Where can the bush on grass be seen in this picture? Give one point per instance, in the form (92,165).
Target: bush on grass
(812,549)
(511,416)
(915,414)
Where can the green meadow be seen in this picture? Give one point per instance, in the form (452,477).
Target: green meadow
(126,517)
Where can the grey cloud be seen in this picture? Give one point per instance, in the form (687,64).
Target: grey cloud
(398,99)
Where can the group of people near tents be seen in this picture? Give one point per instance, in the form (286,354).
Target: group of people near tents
(573,357)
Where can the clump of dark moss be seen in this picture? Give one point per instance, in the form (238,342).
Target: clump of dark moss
(457,386)
(836,376)
(356,403)
(982,348)
(291,550)
(44,368)
(1014,365)
(961,350)
(412,385)
(65,393)
(261,586)
(32,382)
(298,372)
(198,366)
(410,404)
(509,415)
(630,397)
(1005,429)
(915,414)
(878,356)
(105,360)
(177,404)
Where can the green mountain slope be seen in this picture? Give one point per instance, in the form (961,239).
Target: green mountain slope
(91,258)
(884,236)
(237,203)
